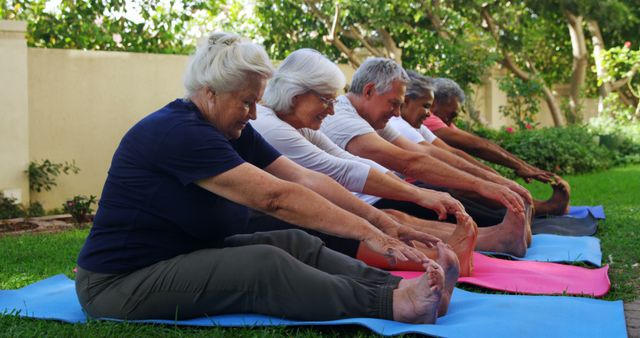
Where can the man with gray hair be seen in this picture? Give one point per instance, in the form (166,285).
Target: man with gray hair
(359,126)
(448,97)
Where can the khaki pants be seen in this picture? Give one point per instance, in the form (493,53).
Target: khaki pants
(287,274)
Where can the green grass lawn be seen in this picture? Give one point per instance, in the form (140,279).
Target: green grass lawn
(29,258)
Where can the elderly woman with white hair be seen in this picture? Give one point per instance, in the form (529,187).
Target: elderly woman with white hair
(180,184)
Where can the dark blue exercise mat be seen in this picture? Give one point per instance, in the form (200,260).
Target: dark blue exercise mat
(582,211)
(565,225)
(555,248)
(470,314)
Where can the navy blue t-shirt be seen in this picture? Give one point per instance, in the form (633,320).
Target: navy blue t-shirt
(150,208)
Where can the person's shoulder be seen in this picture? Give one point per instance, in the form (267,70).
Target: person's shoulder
(434,123)
(343,105)
(177,112)
(398,122)
(344,111)
(267,122)
(265,118)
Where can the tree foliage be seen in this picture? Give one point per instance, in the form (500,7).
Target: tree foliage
(543,42)
(403,30)
(153,26)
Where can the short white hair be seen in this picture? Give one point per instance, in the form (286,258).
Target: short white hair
(223,62)
(379,71)
(302,71)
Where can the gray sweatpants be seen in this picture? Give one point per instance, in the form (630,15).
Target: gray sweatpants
(286,273)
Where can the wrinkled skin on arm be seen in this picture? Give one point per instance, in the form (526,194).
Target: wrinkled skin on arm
(293,203)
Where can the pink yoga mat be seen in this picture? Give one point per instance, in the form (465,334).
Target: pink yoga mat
(527,277)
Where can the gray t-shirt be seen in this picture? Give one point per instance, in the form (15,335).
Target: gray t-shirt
(346,124)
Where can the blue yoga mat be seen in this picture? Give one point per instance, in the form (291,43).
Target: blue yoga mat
(582,211)
(470,314)
(556,248)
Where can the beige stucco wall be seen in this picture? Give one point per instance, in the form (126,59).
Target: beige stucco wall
(14,122)
(82,102)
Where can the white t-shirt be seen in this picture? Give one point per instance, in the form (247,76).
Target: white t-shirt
(415,135)
(313,150)
(346,124)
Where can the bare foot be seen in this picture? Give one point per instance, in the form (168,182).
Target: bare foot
(418,301)
(463,242)
(558,204)
(448,260)
(508,236)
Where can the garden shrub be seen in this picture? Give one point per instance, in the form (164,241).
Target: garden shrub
(35,209)
(80,207)
(9,208)
(565,151)
(620,134)
(43,174)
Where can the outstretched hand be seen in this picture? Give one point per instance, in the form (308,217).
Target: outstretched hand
(407,234)
(440,202)
(530,172)
(393,249)
(520,190)
(504,195)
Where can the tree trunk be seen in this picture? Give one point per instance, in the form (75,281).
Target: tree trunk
(579,73)
(598,54)
(552,103)
(507,61)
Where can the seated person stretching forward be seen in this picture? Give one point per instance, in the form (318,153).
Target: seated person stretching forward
(180,184)
(296,99)
(448,97)
(359,125)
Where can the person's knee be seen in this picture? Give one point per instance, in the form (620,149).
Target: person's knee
(302,237)
(266,260)
(279,238)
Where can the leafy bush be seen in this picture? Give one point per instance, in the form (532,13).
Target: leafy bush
(42,175)
(35,209)
(620,135)
(565,151)
(80,208)
(9,208)
(523,102)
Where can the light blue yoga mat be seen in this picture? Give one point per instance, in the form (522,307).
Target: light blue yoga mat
(556,248)
(470,314)
(582,211)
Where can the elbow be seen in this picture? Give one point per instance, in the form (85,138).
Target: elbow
(273,202)
(411,165)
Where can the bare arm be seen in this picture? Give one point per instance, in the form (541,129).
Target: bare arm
(337,194)
(391,187)
(424,167)
(492,152)
(471,168)
(447,157)
(255,188)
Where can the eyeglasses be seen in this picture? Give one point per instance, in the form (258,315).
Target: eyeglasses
(325,101)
